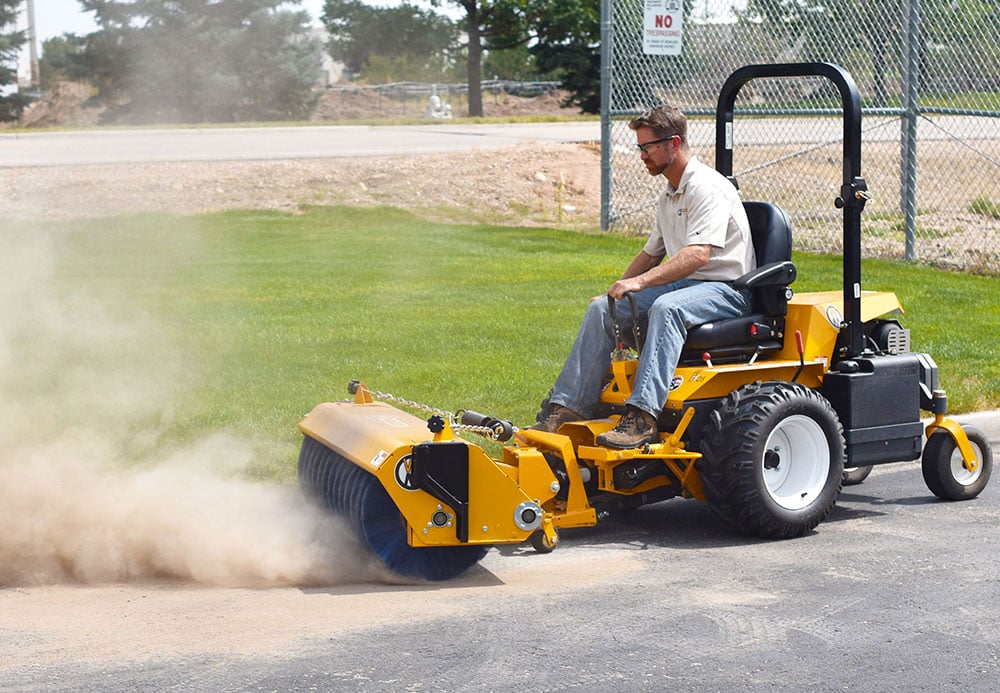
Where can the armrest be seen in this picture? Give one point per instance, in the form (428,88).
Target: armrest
(773,274)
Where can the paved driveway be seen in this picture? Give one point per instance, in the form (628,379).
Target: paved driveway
(240,144)
(896,591)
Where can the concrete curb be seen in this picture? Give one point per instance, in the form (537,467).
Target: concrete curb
(986,421)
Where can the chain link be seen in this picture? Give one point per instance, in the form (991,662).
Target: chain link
(389,397)
(937,203)
(450,417)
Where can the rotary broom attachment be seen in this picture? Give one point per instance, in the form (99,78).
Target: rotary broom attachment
(425,502)
(352,493)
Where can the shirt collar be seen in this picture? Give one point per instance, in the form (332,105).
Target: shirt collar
(692,164)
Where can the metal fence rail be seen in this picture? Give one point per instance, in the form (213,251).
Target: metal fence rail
(409,90)
(930,84)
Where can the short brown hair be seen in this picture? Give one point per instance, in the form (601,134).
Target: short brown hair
(664,121)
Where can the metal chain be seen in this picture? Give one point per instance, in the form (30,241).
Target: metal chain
(484,431)
(388,397)
(450,417)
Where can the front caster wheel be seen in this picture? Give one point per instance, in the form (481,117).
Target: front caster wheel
(855,475)
(944,468)
(540,542)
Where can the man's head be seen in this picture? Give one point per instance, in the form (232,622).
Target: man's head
(664,121)
(661,137)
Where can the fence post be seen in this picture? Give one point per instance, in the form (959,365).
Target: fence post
(908,134)
(606,144)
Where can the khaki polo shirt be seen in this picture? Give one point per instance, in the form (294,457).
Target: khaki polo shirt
(705,209)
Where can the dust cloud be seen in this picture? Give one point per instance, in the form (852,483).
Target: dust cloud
(89,490)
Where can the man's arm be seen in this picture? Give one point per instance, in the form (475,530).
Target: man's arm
(642,262)
(646,270)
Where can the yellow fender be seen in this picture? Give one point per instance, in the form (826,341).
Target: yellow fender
(955,430)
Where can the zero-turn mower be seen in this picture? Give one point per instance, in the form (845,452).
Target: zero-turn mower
(765,414)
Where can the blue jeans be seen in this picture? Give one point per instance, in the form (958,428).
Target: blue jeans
(667,312)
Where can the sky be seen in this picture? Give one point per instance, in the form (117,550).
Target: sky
(57,17)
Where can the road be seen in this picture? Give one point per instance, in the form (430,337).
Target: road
(273,143)
(896,591)
(318,142)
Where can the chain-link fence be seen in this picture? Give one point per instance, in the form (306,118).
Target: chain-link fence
(929,76)
(430,99)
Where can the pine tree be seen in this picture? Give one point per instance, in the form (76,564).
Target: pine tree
(158,61)
(12,101)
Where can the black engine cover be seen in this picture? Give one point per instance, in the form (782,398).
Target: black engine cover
(878,401)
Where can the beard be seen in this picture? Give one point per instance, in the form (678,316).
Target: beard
(655,169)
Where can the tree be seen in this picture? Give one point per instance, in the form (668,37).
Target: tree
(964,35)
(406,38)
(63,60)
(489,24)
(13,103)
(511,63)
(811,29)
(202,60)
(967,39)
(566,40)
(560,37)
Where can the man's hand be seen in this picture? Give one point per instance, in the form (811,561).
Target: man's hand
(624,286)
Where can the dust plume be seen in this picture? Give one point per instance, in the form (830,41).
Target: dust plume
(84,384)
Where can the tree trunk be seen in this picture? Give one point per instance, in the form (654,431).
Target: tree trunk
(475,64)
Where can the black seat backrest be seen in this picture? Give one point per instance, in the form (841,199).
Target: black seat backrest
(762,331)
(771,231)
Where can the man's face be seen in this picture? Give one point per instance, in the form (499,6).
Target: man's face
(656,152)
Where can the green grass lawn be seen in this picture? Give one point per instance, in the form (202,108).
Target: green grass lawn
(243,321)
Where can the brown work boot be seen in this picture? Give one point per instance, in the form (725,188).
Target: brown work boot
(558,415)
(635,429)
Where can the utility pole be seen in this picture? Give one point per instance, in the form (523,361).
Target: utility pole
(32,46)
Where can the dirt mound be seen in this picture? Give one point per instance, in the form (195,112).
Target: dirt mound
(368,103)
(550,103)
(355,104)
(63,104)
(66,104)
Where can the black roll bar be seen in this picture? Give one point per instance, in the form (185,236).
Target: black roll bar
(853,190)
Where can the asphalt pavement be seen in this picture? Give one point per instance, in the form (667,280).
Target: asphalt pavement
(86,147)
(895,591)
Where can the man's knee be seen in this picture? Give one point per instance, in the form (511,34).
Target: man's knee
(666,312)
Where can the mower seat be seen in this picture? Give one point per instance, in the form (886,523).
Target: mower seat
(763,330)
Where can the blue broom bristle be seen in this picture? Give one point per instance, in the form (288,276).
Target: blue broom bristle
(347,490)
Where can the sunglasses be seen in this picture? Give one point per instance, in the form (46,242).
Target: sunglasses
(645,146)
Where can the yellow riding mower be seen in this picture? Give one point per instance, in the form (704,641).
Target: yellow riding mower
(765,413)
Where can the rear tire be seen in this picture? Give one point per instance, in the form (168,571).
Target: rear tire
(944,468)
(342,487)
(773,459)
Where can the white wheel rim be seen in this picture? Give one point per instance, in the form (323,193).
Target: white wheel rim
(796,462)
(958,471)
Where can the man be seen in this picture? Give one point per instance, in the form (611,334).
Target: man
(681,278)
